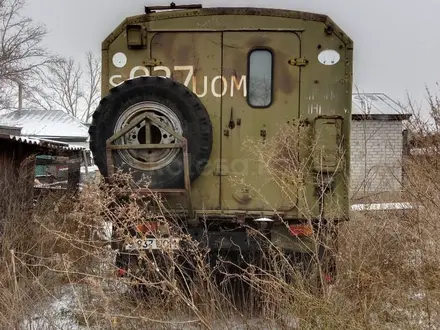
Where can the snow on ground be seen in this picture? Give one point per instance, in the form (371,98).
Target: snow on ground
(381,206)
(65,312)
(56,315)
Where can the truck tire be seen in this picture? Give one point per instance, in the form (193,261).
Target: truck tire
(171,103)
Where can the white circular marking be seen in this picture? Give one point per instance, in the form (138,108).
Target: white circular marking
(329,57)
(119,60)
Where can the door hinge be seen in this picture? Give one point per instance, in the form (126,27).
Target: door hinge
(152,62)
(300,61)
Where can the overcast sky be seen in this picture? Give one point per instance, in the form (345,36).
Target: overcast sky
(396,42)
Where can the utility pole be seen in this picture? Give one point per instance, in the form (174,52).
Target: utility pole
(20,97)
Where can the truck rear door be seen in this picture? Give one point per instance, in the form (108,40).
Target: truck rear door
(253,110)
(194,59)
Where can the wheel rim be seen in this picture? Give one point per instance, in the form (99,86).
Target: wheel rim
(148,159)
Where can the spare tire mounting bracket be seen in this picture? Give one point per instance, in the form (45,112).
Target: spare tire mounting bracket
(183,145)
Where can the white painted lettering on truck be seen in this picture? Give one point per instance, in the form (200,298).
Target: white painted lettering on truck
(237,85)
(163,68)
(190,74)
(139,68)
(112,80)
(213,86)
(205,86)
(217,86)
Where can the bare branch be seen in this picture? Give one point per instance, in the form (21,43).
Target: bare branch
(21,51)
(68,86)
(94,79)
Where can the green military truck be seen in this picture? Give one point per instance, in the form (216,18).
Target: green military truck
(184,87)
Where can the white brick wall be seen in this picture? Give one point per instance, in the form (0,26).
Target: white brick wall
(376,156)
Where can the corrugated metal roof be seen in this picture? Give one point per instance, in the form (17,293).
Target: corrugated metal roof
(46,124)
(375,104)
(42,142)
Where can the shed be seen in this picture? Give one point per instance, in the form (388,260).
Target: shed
(18,160)
(54,125)
(376,145)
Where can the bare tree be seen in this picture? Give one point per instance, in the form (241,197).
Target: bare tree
(21,52)
(58,87)
(70,86)
(93,72)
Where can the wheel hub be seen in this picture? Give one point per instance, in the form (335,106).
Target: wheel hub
(142,133)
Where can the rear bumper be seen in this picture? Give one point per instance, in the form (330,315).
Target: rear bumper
(239,239)
(240,245)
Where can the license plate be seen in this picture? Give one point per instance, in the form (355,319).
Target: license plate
(154,244)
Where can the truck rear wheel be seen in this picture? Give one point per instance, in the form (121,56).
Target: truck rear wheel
(172,104)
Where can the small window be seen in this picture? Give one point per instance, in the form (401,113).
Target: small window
(260,78)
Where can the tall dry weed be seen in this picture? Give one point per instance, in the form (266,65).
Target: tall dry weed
(59,270)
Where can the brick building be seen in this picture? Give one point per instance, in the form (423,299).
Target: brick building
(376,145)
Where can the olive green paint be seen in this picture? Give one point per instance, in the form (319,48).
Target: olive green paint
(216,43)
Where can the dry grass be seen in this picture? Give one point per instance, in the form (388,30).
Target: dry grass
(58,270)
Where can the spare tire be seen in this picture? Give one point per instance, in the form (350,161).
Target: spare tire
(172,104)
